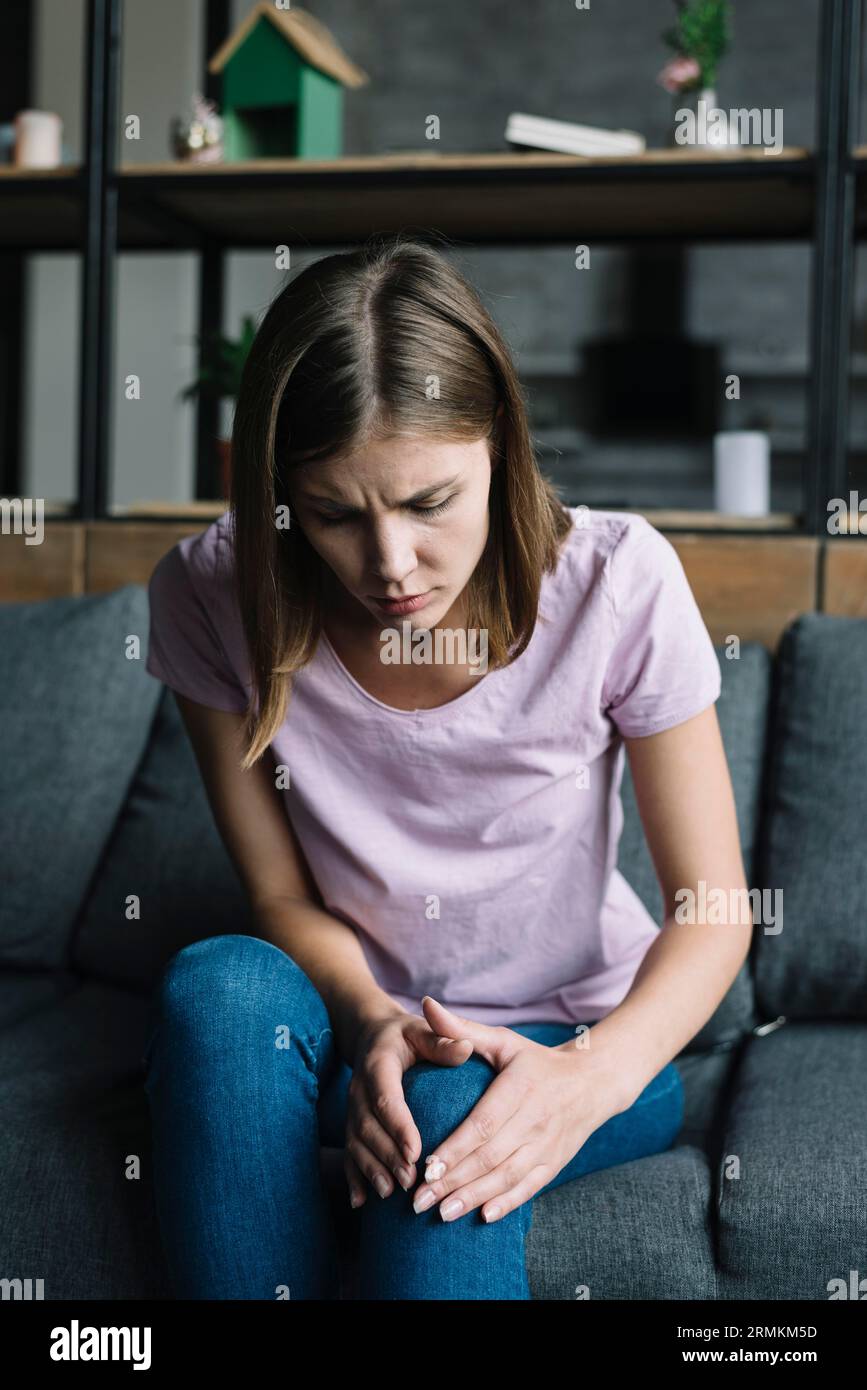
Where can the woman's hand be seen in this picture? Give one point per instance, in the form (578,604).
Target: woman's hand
(381,1135)
(533,1118)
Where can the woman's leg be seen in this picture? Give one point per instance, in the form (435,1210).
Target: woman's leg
(409,1255)
(239,1042)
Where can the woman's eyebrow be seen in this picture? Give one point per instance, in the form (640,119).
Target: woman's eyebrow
(419,496)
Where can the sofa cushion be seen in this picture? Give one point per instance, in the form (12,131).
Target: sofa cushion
(814,855)
(638,1230)
(792,1174)
(73,1116)
(743,712)
(75,713)
(167,851)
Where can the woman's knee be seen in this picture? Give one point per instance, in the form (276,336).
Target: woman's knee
(224,977)
(440,1098)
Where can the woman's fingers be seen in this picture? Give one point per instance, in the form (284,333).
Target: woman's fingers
(496,1044)
(382,1077)
(448,1052)
(369,1165)
(380,1128)
(354,1180)
(497,1194)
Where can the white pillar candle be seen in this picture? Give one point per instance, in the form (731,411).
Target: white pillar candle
(37,139)
(742,472)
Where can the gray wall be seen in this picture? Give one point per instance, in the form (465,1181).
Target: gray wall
(471,65)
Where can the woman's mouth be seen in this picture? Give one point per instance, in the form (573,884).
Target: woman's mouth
(396,606)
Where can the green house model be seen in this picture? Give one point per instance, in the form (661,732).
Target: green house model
(283,78)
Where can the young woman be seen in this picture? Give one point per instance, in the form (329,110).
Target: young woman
(449,978)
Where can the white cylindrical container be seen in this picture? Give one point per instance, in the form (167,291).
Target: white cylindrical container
(742,472)
(38,140)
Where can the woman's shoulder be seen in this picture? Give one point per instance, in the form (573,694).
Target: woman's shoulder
(588,547)
(202,561)
(599,530)
(196,642)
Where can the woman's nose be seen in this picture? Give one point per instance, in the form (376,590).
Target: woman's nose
(392,552)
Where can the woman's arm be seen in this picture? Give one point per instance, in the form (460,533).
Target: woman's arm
(286,903)
(687,807)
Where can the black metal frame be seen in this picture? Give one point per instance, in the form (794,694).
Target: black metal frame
(825,471)
(825,462)
(100,248)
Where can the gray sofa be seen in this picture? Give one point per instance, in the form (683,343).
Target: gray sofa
(764,1193)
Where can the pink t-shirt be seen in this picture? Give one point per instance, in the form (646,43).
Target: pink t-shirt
(473,847)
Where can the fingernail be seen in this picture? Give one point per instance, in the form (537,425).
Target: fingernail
(404,1177)
(451,1209)
(354,1199)
(491,1214)
(423,1201)
(434,1168)
(380,1182)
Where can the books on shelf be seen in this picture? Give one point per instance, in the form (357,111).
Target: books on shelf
(541,133)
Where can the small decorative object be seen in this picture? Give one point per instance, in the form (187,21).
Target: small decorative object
(198,138)
(38,140)
(700,38)
(742,472)
(221,364)
(283,76)
(7,142)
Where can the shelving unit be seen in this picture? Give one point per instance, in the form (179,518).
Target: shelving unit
(817,196)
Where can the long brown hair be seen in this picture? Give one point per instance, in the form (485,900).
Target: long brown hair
(385,340)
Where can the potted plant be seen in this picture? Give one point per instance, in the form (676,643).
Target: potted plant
(221,364)
(700,37)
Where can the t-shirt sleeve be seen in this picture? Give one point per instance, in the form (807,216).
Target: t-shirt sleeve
(184,647)
(662,668)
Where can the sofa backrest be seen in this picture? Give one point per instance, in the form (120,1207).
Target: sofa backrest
(813,853)
(165,850)
(76,709)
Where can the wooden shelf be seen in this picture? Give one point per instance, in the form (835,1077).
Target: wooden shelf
(502,197)
(41,209)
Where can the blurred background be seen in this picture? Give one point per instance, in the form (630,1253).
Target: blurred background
(695,275)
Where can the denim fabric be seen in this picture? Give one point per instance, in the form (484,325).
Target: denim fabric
(238,1120)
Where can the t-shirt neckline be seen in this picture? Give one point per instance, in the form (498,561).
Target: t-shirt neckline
(434,713)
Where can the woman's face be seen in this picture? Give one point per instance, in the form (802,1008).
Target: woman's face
(404,518)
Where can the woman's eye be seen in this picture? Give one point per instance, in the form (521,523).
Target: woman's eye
(433,511)
(420,511)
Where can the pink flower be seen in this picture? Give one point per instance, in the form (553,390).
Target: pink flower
(679,73)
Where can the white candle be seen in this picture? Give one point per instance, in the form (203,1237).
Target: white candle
(37,139)
(742,472)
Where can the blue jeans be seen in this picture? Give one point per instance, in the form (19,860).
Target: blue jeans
(238,1117)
